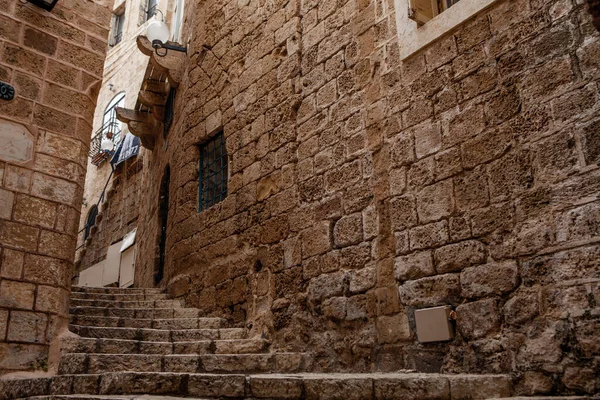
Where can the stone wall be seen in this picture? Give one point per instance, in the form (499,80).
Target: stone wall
(54,60)
(363,187)
(118,214)
(124,69)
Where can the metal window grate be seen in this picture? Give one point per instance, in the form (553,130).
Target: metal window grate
(213,172)
(169,113)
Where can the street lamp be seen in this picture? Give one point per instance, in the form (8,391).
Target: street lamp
(158,34)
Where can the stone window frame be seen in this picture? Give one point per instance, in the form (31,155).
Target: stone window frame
(413,38)
(218,135)
(118,13)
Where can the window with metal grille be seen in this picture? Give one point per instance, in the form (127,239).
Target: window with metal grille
(151,9)
(213,172)
(118,24)
(169,114)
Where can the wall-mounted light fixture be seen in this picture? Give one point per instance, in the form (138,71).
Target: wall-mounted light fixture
(158,34)
(47,5)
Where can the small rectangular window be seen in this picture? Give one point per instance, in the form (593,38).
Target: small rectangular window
(151,9)
(423,11)
(118,25)
(213,173)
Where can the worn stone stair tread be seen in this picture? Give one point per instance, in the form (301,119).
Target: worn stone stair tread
(169,312)
(109,397)
(157,335)
(90,289)
(95,363)
(120,297)
(126,304)
(324,386)
(124,346)
(150,323)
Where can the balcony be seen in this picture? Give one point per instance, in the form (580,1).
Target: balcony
(111,130)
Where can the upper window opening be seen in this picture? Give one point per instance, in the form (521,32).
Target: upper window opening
(213,172)
(178,20)
(423,11)
(151,8)
(90,221)
(169,113)
(118,25)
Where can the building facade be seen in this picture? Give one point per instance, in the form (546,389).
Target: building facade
(53,61)
(334,166)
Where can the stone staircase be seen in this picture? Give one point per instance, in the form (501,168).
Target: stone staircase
(138,344)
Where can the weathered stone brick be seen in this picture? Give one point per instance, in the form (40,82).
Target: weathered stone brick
(431,291)
(17,294)
(428,138)
(393,329)
(555,157)
(440,52)
(435,201)
(27,86)
(19,236)
(34,211)
(6,203)
(591,138)
(343,176)
(23,59)
(348,230)
(12,264)
(51,299)
(46,270)
(403,212)
(40,41)
(421,173)
(430,235)
(326,285)
(458,128)
(27,327)
(471,190)
(478,319)
(414,266)
(493,278)
(316,240)
(485,147)
(362,279)
(457,256)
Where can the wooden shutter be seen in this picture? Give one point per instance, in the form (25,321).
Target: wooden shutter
(423,10)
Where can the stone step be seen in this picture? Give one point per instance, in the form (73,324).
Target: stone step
(120,297)
(158,335)
(108,290)
(119,346)
(136,312)
(93,363)
(409,386)
(127,304)
(169,323)
(108,397)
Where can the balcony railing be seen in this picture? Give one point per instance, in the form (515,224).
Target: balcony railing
(110,130)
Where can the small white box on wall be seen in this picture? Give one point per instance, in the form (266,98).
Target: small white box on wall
(434,324)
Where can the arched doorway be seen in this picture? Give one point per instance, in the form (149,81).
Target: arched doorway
(163,214)
(90,221)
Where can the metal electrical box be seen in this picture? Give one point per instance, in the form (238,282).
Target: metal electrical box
(434,324)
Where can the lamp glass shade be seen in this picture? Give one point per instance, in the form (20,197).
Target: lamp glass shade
(158,30)
(107,145)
